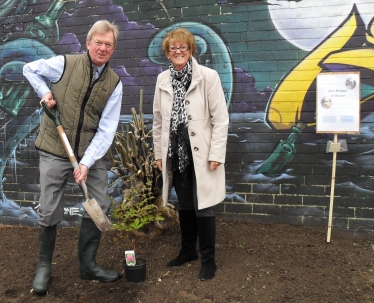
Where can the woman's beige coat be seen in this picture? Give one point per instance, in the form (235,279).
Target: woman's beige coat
(208,121)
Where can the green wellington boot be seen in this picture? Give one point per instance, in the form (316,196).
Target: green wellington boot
(47,239)
(88,244)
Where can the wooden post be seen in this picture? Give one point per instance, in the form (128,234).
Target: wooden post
(332,190)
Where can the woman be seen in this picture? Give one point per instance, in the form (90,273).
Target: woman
(190,133)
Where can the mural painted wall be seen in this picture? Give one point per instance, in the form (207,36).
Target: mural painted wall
(268,55)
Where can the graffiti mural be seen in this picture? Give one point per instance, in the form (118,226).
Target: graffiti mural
(267,54)
(342,50)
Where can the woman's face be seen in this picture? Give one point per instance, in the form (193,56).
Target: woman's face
(179,53)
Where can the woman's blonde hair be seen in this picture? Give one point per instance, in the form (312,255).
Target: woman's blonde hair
(181,35)
(103,26)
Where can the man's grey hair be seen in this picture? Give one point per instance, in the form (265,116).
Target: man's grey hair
(103,26)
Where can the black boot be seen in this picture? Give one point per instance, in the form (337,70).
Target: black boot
(207,244)
(47,239)
(188,226)
(88,244)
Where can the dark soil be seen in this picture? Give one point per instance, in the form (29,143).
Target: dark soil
(256,263)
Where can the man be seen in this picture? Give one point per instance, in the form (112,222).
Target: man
(89,104)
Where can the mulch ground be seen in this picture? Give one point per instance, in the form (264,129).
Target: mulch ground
(256,263)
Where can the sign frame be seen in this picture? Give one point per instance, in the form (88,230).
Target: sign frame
(338,103)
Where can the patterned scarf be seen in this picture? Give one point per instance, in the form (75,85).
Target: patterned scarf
(179,144)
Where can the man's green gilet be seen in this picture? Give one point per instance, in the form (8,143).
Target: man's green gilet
(80,106)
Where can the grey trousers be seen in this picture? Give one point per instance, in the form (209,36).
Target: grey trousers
(54,172)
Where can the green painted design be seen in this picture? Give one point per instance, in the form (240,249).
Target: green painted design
(283,153)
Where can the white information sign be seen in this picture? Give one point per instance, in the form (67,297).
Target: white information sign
(338,103)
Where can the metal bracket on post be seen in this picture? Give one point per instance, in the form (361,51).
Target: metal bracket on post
(340,146)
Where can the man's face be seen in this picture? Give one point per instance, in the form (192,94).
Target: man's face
(101,47)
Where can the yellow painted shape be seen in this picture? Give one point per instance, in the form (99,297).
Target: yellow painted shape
(363,57)
(370,39)
(284,108)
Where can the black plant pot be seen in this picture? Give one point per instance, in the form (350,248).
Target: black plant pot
(136,273)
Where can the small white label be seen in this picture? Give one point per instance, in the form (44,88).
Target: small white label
(130,257)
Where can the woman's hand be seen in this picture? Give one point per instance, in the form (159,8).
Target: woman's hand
(213,165)
(159,164)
